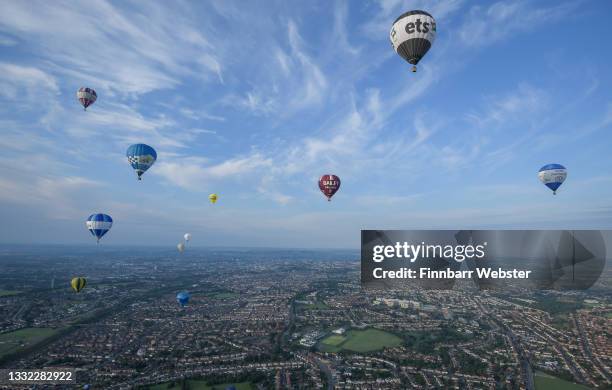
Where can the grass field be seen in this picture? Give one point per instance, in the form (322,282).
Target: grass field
(334,340)
(561,321)
(360,341)
(8,293)
(544,381)
(13,341)
(202,385)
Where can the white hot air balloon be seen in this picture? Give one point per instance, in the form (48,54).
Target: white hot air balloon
(181,247)
(412,34)
(187,236)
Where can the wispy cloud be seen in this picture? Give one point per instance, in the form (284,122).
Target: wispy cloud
(127,53)
(294,84)
(195,173)
(25,83)
(486,25)
(56,197)
(379,24)
(517,105)
(342,41)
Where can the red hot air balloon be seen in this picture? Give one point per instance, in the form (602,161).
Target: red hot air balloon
(329,185)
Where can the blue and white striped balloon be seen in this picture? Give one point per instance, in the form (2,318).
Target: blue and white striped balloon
(553,175)
(141,157)
(99,224)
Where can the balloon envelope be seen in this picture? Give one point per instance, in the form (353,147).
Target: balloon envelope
(187,236)
(181,247)
(86,96)
(552,176)
(329,185)
(78,284)
(141,157)
(183,297)
(99,224)
(412,35)
(213,198)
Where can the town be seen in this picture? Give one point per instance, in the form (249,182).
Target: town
(282,319)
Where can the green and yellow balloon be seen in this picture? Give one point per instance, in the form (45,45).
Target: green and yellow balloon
(78,284)
(213,198)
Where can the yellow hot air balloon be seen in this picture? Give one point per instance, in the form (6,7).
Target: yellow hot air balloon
(78,284)
(213,198)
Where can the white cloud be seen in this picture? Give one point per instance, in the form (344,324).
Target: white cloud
(18,83)
(195,173)
(267,188)
(57,197)
(341,36)
(203,131)
(123,125)
(485,25)
(520,104)
(295,84)
(128,52)
(380,22)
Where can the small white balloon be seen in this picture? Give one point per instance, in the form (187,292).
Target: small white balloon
(180,247)
(187,236)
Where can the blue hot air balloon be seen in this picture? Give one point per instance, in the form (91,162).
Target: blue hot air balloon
(182,298)
(552,175)
(99,224)
(141,157)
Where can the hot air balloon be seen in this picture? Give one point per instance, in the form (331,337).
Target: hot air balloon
(182,298)
(99,224)
(78,284)
(87,97)
(141,157)
(329,185)
(412,34)
(187,236)
(552,175)
(86,387)
(213,198)
(181,247)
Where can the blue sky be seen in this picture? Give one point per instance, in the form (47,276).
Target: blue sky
(255,100)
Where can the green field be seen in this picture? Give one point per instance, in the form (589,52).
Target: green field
(544,381)
(13,341)
(360,341)
(202,385)
(561,321)
(334,340)
(8,293)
